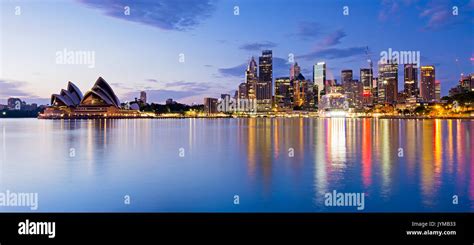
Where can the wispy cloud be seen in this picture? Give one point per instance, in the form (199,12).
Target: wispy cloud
(151,80)
(332,39)
(121,85)
(333,53)
(307,30)
(163,14)
(17,89)
(257,46)
(389,9)
(235,71)
(188,86)
(437,15)
(12,89)
(440,14)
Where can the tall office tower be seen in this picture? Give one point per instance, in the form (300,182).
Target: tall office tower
(265,81)
(283,93)
(243,91)
(375,92)
(346,76)
(366,77)
(319,79)
(353,91)
(427,83)
(300,90)
(388,79)
(437,90)
(295,70)
(381,97)
(251,79)
(143,96)
(210,105)
(410,82)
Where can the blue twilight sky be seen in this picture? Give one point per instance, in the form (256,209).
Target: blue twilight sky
(141,51)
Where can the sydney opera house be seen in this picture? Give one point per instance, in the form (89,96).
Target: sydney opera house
(99,102)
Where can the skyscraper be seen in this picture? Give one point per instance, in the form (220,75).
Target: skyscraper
(243,91)
(410,82)
(265,81)
(251,79)
(366,78)
(437,90)
(388,82)
(353,91)
(295,70)
(300,90)
(210,105)
(346,76)
(143,96)
(427,83)
(283,93)
(319,78)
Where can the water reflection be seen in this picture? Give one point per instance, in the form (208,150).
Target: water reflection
(366,152)
(277,164)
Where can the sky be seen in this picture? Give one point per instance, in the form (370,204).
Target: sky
(191,49)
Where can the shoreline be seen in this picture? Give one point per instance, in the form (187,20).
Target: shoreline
(247,117)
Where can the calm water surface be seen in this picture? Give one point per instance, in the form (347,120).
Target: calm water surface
(199,165)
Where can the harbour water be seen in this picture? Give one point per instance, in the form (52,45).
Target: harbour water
(238,165)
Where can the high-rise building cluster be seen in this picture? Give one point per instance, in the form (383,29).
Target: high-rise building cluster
(466,84)
(295,92)
(258,86)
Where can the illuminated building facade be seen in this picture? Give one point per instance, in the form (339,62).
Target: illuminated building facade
(388,83)
(265,81)
(251,80)
(366,78)
(210,105)
(410,81)
(319,79)
(427,83)
(284,95)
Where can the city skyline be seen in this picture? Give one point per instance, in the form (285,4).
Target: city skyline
(216,44)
